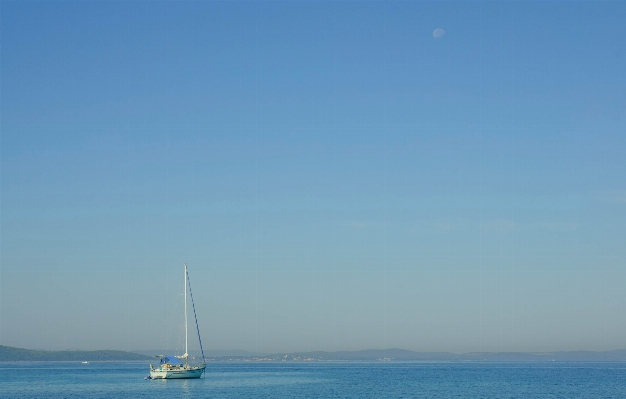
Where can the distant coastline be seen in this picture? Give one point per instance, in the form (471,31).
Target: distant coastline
(404,355)
(12,354)
(8,353)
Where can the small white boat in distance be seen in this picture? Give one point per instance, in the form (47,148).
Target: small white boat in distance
(85,362)
(178,366)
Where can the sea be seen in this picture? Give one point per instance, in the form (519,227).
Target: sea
(346,380)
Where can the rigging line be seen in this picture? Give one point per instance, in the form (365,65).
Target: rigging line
(195,317)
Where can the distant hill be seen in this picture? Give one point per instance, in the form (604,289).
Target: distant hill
(8,353)
(11,354)
(376,354)
(208,353)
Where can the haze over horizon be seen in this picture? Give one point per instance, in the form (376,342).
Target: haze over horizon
(432,176)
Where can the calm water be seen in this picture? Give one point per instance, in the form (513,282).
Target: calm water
(319,380)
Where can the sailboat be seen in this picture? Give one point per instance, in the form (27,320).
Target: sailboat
(178,366)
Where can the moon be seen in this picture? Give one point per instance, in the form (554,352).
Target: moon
(438,33)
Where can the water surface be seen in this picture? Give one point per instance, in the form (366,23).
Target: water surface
(318,380)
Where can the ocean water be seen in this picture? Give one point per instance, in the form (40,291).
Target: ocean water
(318,380)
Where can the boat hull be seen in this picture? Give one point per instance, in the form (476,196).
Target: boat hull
(195,372)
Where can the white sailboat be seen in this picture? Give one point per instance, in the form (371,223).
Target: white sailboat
(178,366)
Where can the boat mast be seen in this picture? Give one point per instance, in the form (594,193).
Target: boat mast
(193,305)
(185,282)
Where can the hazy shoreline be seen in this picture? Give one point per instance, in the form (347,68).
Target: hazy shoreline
(12,354)
(9,353)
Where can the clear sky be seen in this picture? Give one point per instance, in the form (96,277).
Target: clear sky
(335,176)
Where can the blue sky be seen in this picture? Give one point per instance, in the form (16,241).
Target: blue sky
(335,176)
